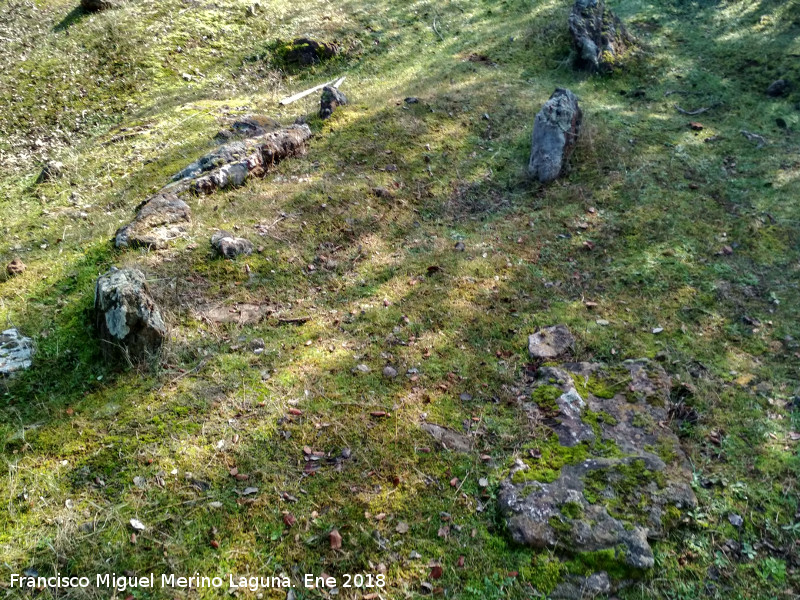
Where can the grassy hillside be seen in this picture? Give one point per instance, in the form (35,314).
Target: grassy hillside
(695,232)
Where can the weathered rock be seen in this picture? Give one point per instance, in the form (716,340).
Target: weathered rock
(600,38)
(778,88)
(229,246)
(578,587)
(127,318)
(555,134)
(330,100)
(241,314)
(159,220)
(611,477)
(390,372)
(16,352)
(248,126)
(15,267)
(51,170)
(448,438)
(550,342)
(304,52)
(231,164)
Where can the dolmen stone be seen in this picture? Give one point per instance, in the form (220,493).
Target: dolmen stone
(229,246)
(555,135)
(600,38)
(331,99)
(608,478)
(127,319)
(304,52)
(550,342)
(166,216)
(16,352)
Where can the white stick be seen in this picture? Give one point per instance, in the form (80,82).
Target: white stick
(339,81)
(305,93)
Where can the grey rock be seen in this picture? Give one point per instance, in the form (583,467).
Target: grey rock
(52,169)
(778,88)
(159,220)
(16,352)
(550,342)
(555,134)
(127,319)
(331,99)
(735,520)
(578,587)
(389,372)
(229,246)
(599,37)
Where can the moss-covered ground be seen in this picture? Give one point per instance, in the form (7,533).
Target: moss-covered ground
(656,226)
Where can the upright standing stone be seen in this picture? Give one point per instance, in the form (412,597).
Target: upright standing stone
(126,316)
(599,36)
(555,134)
(331,98)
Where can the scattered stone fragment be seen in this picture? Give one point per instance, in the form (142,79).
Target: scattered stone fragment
(610,479)
(330,100)
(448,438)
(778,88)
(159,220)
(362,368)
(52,169)
(459,247)
(735,520)
(229,246)
(241,314)
(550,342)
(127,318)
(15,267)
(600,38)
(555,134)
(16,352)
(389,372)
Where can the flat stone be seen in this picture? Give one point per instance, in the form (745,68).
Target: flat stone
(629,486)
(241,314)
(555,134)
(127,319)
(550,342)
(16,352)
(159,220)
(229,246)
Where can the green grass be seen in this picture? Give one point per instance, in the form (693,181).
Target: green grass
(105,95)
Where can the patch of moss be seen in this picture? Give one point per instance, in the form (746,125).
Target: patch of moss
(644,421)
(545,397)
(573,510)
(554,456)
(597,386)
(544,573)
(611,560)
(625,482)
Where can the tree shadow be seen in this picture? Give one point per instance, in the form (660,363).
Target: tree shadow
(74,16)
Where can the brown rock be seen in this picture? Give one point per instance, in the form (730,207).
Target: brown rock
(15,267)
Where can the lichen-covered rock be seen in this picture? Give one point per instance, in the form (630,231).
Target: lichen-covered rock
(555,134)
(229,246)
(159,220)
(331,98)
(231,164)
(600,38)
(127,319)
(550,342)
(611,477)
(16,352)
(449,439)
